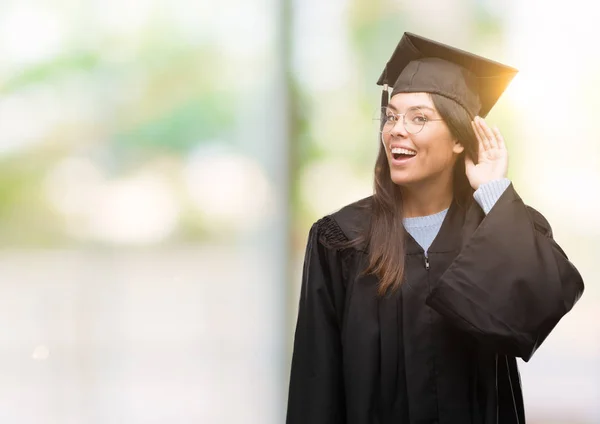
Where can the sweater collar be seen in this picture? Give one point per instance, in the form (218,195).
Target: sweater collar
(449,238)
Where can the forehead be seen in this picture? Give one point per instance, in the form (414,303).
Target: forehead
(403,101)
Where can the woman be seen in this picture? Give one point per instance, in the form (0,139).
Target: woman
(416,301)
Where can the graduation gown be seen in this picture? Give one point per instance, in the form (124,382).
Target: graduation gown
(442,349)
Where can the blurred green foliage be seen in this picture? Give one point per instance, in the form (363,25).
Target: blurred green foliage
(127,103)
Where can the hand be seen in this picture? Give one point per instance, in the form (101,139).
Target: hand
(492,163)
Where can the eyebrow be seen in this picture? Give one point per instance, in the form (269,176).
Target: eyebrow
(417,106)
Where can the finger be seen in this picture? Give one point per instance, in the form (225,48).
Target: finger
(500,139)
(482,135)
(482,150)
(489,135)
(469,164)
(477,132)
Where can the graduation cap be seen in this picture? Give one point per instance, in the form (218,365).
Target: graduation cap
(422,65)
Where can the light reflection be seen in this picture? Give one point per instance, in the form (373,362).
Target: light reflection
(139,209)
(30,34)
(230,190)
(328,185)
(73,186)
(27,117)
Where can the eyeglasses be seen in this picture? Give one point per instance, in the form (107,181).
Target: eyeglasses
(414,120)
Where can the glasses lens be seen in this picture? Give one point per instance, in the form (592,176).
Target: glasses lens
(414,120)
(387,120)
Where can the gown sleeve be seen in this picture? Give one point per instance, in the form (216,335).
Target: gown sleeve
(316,392)
(511,283)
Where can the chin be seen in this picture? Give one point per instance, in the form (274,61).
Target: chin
(401,178)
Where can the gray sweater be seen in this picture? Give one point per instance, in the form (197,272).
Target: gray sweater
(424,229)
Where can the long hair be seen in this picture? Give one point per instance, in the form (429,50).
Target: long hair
(385,236)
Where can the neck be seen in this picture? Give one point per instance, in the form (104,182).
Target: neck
(426,198)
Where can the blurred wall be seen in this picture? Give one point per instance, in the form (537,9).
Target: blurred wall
(143,212)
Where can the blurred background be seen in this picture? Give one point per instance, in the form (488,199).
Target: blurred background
(162,161)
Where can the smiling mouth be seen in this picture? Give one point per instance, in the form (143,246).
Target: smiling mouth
(400,156)
(400,153)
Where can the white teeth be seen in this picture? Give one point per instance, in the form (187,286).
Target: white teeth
(401,151)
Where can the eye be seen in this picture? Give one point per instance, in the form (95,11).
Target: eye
(416,116)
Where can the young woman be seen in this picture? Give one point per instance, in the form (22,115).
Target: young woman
(416,301)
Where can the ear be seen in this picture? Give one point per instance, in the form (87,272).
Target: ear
(458,148)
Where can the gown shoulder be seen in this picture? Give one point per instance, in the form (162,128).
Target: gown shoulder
(347,226)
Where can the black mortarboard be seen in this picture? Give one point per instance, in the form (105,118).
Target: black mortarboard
(422,65)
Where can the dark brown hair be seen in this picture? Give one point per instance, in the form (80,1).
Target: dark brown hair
(386,253)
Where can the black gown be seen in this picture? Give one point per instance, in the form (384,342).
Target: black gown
(442,349)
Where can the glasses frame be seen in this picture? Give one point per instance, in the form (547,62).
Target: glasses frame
(386,111)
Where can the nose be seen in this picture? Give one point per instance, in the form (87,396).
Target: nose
(399,129)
